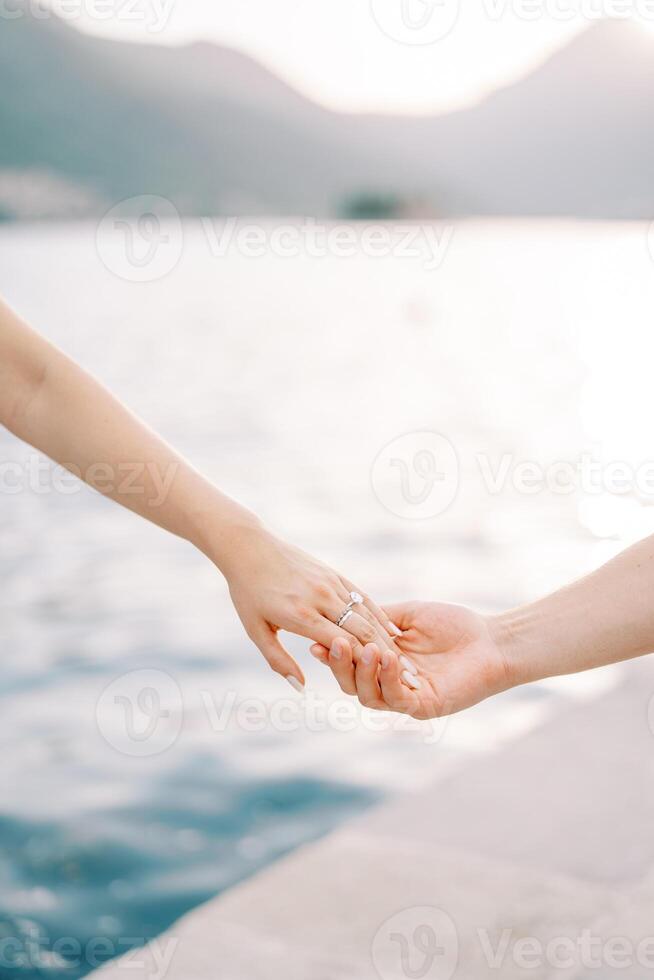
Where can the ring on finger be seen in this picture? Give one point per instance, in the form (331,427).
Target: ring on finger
(344,617)
(355,600)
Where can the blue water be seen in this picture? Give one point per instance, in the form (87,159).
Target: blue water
(125,874)
(283,379)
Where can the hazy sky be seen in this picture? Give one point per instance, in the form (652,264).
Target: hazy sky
(411,55)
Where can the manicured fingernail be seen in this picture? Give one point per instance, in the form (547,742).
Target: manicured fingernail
(295,683)
(408,665)
(370,651)
(386,659)
(393,629)
(410,680)
(336,651)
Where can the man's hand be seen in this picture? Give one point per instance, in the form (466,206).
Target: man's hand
(451,659)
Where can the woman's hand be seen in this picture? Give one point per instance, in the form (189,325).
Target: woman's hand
(450,659)
(275,586)
(50,402)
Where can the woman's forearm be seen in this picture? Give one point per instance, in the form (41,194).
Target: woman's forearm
(50,402)
(606,617)
(57,407)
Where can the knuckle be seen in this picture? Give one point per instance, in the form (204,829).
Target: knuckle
(301,611)
(367,633)
(420,714)
(323,591)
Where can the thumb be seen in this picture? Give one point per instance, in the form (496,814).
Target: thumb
(401,614)
(279,659)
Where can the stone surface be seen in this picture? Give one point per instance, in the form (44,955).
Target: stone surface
(338,910)
(499,870)
(575,796)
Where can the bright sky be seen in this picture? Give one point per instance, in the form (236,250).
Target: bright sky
(406,55)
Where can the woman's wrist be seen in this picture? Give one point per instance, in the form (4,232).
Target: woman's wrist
(220,529)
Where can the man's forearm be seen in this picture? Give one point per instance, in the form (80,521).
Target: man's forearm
(604,618)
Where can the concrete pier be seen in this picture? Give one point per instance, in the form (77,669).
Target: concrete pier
(537,861)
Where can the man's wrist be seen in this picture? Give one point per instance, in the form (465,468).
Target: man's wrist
(518,636)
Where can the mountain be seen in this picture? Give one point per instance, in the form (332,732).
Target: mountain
(129,119)
(96,121)
(575,137)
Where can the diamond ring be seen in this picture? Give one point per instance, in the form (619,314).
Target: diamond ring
(355,600)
